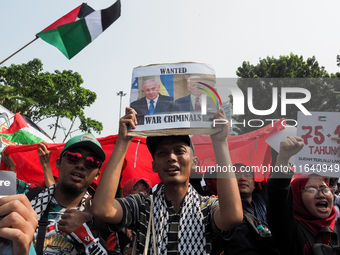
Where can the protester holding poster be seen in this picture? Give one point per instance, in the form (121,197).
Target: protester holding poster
(179,220)
(301,214)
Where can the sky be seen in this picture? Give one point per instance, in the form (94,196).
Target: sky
(217,32)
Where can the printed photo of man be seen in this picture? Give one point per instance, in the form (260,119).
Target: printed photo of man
(193,101)
(152,102)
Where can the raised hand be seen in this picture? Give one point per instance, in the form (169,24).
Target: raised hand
(127,122)
(8,160)
(44,156)
(288,148)
(224,123)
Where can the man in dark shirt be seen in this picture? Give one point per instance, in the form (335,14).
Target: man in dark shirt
(254,203)
(247,240)
(64,204)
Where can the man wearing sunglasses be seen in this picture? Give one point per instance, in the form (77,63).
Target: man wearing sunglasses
(70,227)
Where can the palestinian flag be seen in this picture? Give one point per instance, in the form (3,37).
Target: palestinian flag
(19,132)
(74,31)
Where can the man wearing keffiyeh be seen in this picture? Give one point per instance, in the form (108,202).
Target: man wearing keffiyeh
(71,228)
(185,222)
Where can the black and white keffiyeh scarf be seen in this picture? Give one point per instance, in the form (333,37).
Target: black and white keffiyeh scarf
(41,201)
(191,232)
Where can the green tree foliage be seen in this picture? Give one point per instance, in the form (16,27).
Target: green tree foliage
(41,95)
(285,71)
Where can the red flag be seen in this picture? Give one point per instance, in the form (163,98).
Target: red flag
(29,169)
(68,18)
(249,149)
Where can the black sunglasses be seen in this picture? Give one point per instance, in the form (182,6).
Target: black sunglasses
(75,157)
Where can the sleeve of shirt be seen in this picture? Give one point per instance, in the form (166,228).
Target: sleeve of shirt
(226,235)
(280,212)
(88,239)
(32,250)
(24,187)
(130,206)
(336,200)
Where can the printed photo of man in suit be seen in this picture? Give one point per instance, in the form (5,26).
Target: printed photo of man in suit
(193,101)
(152,102)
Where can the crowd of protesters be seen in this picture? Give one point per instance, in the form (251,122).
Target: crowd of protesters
(285,215)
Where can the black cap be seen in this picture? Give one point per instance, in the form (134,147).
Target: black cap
(153,141)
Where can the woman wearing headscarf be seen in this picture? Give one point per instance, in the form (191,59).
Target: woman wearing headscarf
(136,185)
(297,210)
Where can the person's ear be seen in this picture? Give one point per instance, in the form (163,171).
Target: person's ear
(254,186)
(153,167)
(97,175)
(57,163)
(194,163)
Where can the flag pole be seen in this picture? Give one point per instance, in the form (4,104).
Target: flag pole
(19,50)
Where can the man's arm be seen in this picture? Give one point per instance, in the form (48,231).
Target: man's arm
(19,223)
(229,214)
(104,205)
(280,211)
(44,158)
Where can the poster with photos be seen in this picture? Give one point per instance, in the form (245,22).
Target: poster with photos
(175,98)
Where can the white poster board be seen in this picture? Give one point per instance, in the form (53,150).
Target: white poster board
(171,97)
(7,183)
(274,139)
(317,156)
